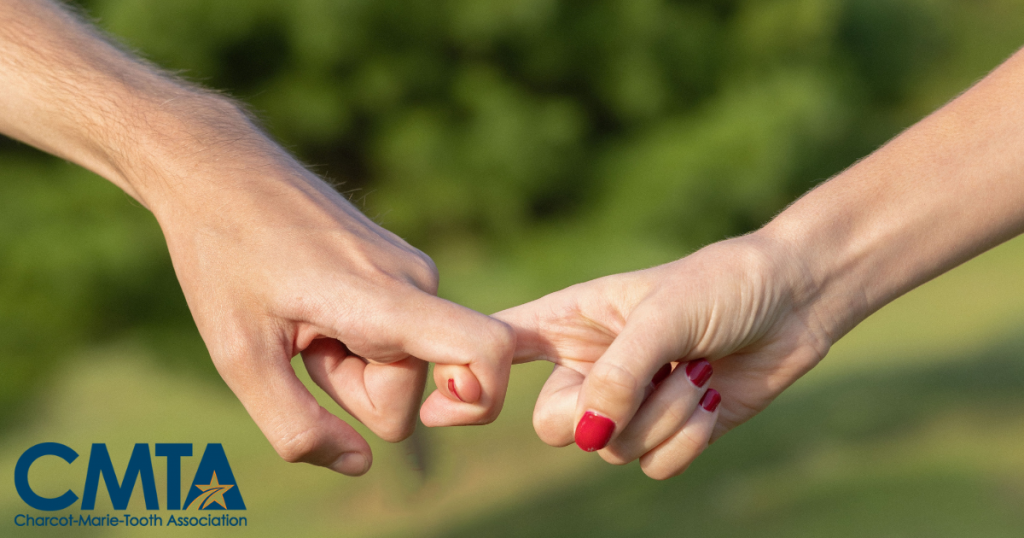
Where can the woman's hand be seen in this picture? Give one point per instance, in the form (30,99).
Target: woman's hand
(741,304)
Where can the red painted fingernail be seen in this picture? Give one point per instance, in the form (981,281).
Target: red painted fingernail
(711,400)
(699,372)
(594,431)
(451,389)
(661,374)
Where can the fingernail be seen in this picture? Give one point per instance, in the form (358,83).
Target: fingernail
(699,372)
(594,431)
(661,374)
(451,389)
(711,400)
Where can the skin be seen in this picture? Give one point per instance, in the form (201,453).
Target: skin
(272,261)
(767,307)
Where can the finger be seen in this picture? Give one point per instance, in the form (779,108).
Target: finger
(678,452)
(552,416)
(616,384)
(753,380)
(662,414)
(476,351)
(414,323)
(551,328)
(288,415)
(457,382)
(526,321)
(382,396)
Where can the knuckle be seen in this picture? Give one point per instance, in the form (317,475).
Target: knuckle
(615,457)
(488,413)
(300,446)
(231,352)
(614,382)
(491,414)
(500,338)
(677,413)
(394,430)
(663,473)
(554,429)
(692,444)
(423,272)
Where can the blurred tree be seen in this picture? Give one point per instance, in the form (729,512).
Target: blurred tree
(487,117)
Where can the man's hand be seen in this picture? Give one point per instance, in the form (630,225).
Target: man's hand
(274,264)
(740,304)
(272,261)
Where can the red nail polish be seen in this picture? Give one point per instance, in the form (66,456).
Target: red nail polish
(451,389)
(711,400)
(594,431)
(661,374)
(699,372)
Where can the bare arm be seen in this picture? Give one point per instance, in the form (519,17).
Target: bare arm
(272,261)
(947,189)
(767,307)
(70,92)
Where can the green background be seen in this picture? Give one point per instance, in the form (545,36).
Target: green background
(527,145)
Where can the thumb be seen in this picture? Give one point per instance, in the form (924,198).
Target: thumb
(261,375)
(617,383)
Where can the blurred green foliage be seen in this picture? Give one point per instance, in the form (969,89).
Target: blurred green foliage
(690,120)
(512,126)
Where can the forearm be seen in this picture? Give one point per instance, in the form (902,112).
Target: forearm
(70,93)
(945,190)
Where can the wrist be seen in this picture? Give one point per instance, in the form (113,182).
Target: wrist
(844,256)
(200,154)
(167,151)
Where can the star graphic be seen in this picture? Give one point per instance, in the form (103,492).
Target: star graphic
(211,493)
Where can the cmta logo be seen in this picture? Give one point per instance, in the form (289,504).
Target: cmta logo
(213,487)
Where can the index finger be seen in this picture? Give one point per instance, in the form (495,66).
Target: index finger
(473,357)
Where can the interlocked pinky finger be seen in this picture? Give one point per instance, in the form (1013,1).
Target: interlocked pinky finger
(677,452)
